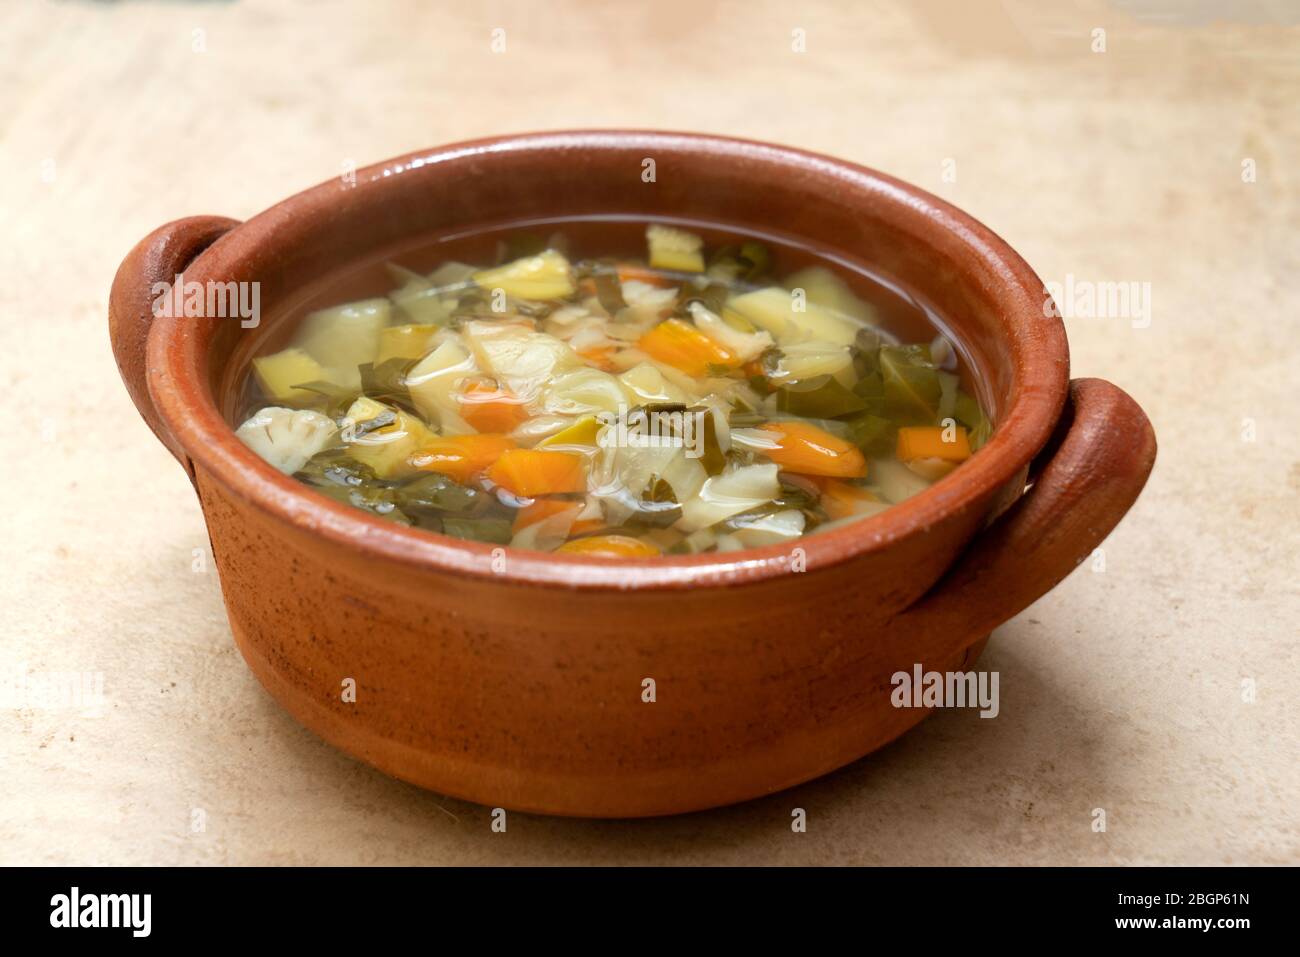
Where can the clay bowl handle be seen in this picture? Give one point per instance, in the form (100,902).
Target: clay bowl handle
(157,258)
(1084,480)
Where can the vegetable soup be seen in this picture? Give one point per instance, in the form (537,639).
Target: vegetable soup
(616,389)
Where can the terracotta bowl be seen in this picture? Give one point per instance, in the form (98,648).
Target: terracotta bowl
(517,681)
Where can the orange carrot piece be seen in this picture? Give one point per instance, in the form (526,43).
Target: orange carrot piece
(544,508)
(610,546)
(682,346)
(927,442)
(461,457)
(532,472)
(839,499)
(491,409)
(651,277)
(808,450)
(599,356)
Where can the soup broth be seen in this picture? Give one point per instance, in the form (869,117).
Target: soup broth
(615,389)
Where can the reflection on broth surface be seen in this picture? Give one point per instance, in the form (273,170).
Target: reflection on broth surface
(568,392)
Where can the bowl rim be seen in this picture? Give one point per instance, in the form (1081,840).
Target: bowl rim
(178,383)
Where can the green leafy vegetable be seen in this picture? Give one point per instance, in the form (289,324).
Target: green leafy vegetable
(498,531)
(822,397)
(911,383)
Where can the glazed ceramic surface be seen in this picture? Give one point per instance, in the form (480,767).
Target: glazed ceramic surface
(519,679)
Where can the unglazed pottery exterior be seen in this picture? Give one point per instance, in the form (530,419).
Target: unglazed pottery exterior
(516,679)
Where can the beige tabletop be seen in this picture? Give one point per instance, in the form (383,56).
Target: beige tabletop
(1162,151)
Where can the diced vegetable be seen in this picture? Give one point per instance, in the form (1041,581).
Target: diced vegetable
(778,311)
(675,249)
(706,401)
(819,398)
(823,288)
(684,347)
(436,493)
(803,447)
(478,528)
(743,346)
(729,494)
(931,469)
(345,336)
(544,276)
(491,409)
(287,438)
(278,375)
(968,411)
(584,391)
(801,361)
(925,442)
(911,384)
(601,357)
(463,457)
(545,508)
(873,434)
(631,272)
(610,546)
(770,528)
(839,499)
(894,481)
(433,380)
(452,274)
(546,524)
(522,360)
(384,438)
(584,432)
(532,472)
(647,385)
(647,299)
(406,342)
(423,303)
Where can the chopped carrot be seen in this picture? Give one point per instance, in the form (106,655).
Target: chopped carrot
(839,499)
(808,450)
(631,272)
(533,472)
(610,546)
(682,346)
(928,442)
(461,457)
(599,356)
(491,409)
(544,508)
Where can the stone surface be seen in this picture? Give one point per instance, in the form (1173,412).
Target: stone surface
(1121,690)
